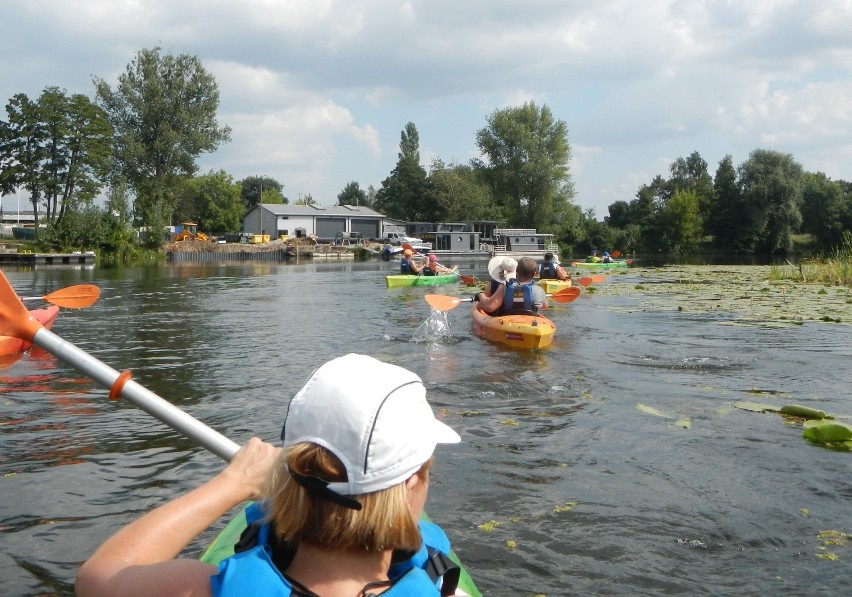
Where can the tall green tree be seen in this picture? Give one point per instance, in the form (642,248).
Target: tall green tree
(78,150)
(460,194)
(213,201)
(163,111)
(23,149)
(404,193)
(526,153)
(58,148)
(725,219)
(822,209)
(647,212)
(353,194)
(692,174)
(620,215)
(252,186)
(771,182)
(682,222)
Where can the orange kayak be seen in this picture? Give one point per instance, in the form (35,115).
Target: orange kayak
(521,330)
(46,317)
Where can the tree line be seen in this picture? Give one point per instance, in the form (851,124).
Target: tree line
(139,141)
(754,208)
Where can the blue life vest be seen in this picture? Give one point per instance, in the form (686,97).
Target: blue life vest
(253,571)
(518,296)
(405,266)
(547,270)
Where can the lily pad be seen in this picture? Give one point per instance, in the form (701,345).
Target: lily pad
(831,433)
(756,407)
(652,411)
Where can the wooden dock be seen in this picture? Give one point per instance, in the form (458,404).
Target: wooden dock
(87,258)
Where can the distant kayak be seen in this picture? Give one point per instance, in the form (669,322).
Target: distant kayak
(525,330)
(601,264)
(399,280)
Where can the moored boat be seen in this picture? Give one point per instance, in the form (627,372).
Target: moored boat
(222,547)
(400,280)
(601,264)
(552,286)
(522,330)
(46,317)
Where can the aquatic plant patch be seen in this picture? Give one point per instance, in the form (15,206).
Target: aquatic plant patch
(740,295)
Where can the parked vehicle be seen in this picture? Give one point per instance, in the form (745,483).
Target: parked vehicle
(397,238)
(348,238)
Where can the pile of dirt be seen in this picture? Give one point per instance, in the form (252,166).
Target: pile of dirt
(305,244)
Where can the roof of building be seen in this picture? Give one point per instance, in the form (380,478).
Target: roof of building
(354,211)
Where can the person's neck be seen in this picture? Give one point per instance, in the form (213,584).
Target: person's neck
(337,573)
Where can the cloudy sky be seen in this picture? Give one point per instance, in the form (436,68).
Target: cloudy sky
(317,92)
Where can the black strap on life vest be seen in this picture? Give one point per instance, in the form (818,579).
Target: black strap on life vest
(248,538)
(438,565)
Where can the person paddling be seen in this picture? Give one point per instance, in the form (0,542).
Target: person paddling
(549,269)
(408,265)
(516,289)
(433,268)
(340,503)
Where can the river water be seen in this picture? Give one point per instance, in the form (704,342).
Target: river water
(561,485)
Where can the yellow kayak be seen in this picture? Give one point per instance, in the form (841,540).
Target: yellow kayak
(524,330)
(554,286)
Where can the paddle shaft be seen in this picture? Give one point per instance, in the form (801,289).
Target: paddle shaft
(137,395)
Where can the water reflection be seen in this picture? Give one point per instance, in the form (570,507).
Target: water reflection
(595,495)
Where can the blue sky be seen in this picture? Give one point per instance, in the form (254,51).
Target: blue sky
(317,92)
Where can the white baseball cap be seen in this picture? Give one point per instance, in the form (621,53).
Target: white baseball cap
(372,415)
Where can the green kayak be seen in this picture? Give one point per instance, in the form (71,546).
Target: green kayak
(601,264)
(398,280)
(223,547)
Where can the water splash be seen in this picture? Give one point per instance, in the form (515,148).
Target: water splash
(436,327)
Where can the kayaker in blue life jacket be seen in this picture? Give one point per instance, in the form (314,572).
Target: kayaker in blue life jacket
(339,510)
(549,269)
(605,258)
(519,293)
(408,265)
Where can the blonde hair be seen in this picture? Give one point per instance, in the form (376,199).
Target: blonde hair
(385,520)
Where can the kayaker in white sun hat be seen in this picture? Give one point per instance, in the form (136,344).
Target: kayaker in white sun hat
(340,503)
(519,293)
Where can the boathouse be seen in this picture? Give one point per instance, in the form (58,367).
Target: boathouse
(277,220)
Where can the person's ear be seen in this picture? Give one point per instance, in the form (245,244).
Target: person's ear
(412,482)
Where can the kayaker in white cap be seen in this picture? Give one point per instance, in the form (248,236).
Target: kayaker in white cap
(341,500)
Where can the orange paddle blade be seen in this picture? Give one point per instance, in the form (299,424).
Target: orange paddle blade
(616,253)
(469,280)
(585,281)
(74,297)
(15,320)
(442,302)
(566,295)
(598,278)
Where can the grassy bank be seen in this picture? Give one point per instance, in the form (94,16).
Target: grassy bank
(832,270)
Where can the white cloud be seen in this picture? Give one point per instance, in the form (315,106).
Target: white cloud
(317,91)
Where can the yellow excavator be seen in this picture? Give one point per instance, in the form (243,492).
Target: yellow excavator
(189,231)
